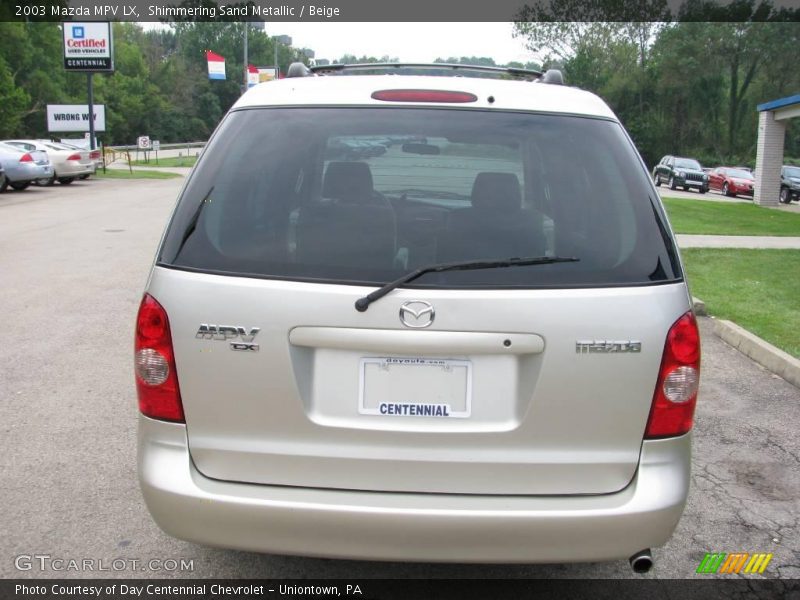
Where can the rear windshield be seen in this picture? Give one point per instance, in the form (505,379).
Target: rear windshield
(365,195)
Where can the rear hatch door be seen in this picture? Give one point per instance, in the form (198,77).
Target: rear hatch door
(524,380)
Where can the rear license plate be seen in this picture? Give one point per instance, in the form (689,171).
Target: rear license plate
(415,387)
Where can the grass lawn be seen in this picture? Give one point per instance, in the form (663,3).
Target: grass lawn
(756,289)
(175,161)
(721,218)
(140,174)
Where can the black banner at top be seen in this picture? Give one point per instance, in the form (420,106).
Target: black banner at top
(401,10)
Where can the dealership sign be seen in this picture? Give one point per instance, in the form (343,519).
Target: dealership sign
(74,117)
(88,46)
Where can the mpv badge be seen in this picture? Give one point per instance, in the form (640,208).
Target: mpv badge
(230,332)
(416,314)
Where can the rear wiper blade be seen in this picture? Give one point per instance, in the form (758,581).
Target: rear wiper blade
(362,304)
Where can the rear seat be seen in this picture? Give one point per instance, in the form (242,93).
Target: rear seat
(495,226)
(356,228)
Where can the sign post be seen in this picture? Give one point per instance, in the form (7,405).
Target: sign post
(90,93)
(88,47)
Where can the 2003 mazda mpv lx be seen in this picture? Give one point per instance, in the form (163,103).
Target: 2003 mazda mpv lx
(418,317)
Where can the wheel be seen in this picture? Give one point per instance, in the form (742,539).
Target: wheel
(657,179)
(19,185)
(786,197)
(3,183)
(46,182)
(686,188)
(65,180)
(703,190)
(671,183)
(725,190)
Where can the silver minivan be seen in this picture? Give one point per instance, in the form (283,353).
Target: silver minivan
(418,317)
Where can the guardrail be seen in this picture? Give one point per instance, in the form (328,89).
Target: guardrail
(178,146)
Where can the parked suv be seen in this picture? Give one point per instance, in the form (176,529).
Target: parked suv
(680,172)
(475,345)
(790,183)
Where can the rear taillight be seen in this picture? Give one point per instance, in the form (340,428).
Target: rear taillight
(676,391)
(154,360)
(94,155)
(424,96)
(26,158)
(74,157)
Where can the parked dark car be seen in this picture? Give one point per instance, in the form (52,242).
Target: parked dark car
(790,184)
(677,172)
(731,181)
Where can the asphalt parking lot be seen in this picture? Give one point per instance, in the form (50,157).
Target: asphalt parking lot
(73,263)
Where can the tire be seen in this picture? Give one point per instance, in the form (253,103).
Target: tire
(3,183)
(725,190)
(686,188)
(671,183)
(703,190)
(786,197)
(656,180)
(46,182)
(19,185)
(65,180)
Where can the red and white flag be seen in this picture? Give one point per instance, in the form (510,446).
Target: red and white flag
(252,76)
(216,65)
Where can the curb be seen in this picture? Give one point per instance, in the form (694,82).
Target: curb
(768,356)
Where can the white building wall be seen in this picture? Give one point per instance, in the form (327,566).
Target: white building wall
(769,158)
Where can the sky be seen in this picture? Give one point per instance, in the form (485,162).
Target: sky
(409,42)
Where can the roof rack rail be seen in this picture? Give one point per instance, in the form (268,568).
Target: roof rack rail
(337,68)
(552,76)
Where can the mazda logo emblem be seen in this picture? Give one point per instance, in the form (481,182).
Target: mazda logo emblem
(416,314)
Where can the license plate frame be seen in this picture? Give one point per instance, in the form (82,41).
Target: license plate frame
(442,372)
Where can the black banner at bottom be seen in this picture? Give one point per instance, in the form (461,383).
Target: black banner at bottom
(402,589)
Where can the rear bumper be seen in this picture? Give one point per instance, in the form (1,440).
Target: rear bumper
(74,169)
(405,526)
(29,172)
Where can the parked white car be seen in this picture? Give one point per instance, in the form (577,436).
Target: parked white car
(476,344)
(68,163)
(96,155)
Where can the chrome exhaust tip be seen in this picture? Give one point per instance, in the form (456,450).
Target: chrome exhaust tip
(642,561)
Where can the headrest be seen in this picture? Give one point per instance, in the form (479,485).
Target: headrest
(348,181)
(496,191)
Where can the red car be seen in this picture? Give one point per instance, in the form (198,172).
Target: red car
(731,181)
